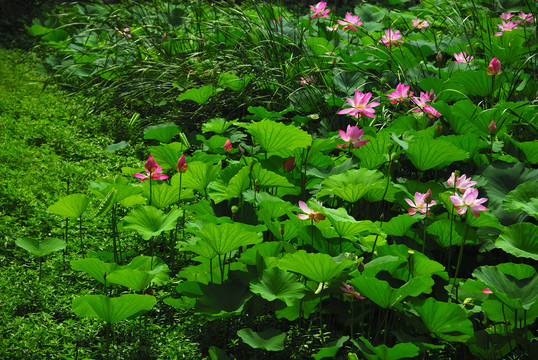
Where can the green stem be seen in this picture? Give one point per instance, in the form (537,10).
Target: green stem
(460,256)
(425,227)
(80,233)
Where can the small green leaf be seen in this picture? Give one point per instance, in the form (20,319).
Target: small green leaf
(70,206)
(331,349)
(383,352)
(199,95)
(279,139)
(224,238)
(149,221)
(269,339)
(162,132)
(41,247)
(94,267)
(317,267)
(278,284)
(112,310)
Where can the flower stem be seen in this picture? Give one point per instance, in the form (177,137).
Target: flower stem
(460,256)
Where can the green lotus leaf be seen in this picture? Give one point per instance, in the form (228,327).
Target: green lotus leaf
(490,343)
(330,350)
(70,206)
(317,267)
(113,310)
(530,149)
(161,132)
(220,191)
(94,267)
(162,194)
(167,155)
(502,178)
(420,263)
(216,125)
(345,225)
(269,339)
(199,175)
(140,273)
(352,185)
(497,311)
(348,81)
(448,321)
(199,95)
(520,240)
(516,285)
(233,82)
(267,178)
(149,221)
(278,284)
(524,198)
(468,143)
(222,300)
(278,139)
(398,225)
(427,153)
(200,247)
(319,45)
(41,247)
(224,238)
(383,352)
(272,249)
(477,83)
(441,229)
(303,309)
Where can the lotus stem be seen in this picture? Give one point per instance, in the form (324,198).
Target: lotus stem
(460,256)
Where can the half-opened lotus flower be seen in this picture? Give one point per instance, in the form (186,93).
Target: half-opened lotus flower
(153,171)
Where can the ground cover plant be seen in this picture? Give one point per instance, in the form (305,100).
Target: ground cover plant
(312,185)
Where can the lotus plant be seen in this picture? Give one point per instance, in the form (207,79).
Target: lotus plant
(359,105)
(470,201)
(420,24)
(463,58)
(352,137)
(310,214)
(507,26)
(401,94)
(153,171)
(526,18)
(391,38)
(422,203)
(319,10)
(227,146)
(422,103)
(494,67)
(506,16)
(350,22)
(460,183)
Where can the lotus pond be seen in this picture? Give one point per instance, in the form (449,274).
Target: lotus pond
(255,180)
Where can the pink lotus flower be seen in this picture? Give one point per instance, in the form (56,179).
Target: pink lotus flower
(420,204)
(319,10)
(289,164)
(351,137)
(420,24)
(350,21)
(307,80)
(350,292)
(506,26)
(310,214)
(332,28)
(487,291)
(227,146)
(494,67)
(360,106)
(527,18)
(506,16)
(469,201)
(461,183)
(153,171)
(401,94)
(422,103)
(463,58)
(181,165)
(391,38)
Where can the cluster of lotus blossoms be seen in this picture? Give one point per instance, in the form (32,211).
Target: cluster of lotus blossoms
(463,58)
(402,95)
(509,25)
(465,198)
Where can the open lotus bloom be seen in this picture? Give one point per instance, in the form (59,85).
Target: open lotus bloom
(153,171)
(461,183)
(470,201)
(350,22)
(507,26)
(352,137)
(319,10)
(359,105)
(401,94)
(391,38)
(463,58)
(420,24)
(310,214)
(420,204)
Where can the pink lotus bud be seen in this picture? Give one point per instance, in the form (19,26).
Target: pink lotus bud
(289,164)
(181,165)
(494,67)
(151,165)
(227,146)
(492,127)
(428,198)
(439,56)
(487,291)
